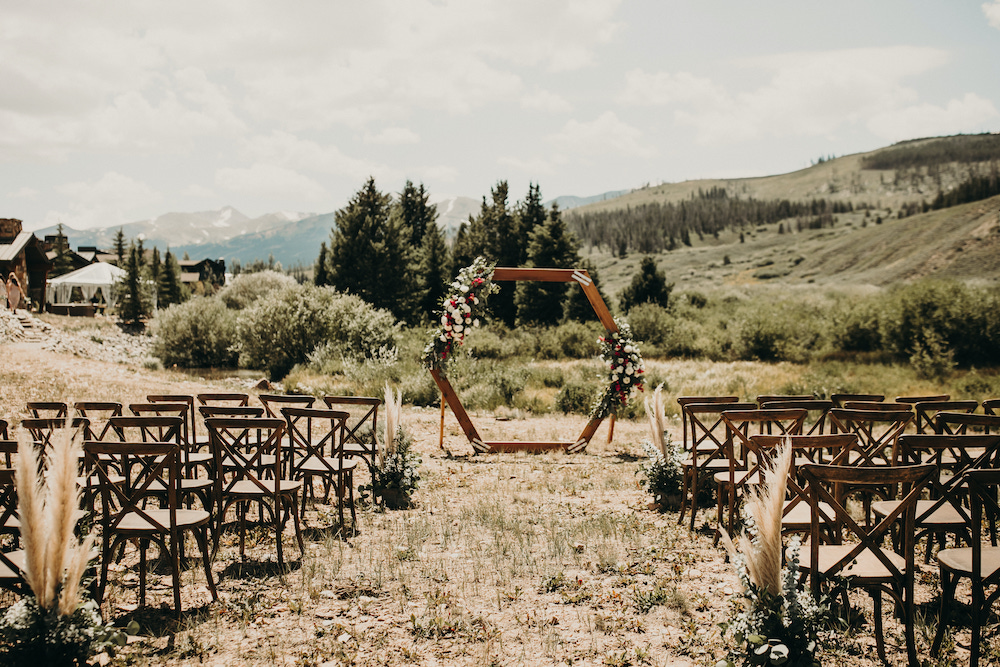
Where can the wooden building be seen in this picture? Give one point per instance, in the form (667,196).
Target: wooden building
(23,254)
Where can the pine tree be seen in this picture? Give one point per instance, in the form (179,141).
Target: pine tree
(370,252)
(120,247)
(169,287)
(62,263)
(531,215)
(435,271)
(321,275)
(154,268)
(577,306)
(551,246)
(649,285)
(418,214)
(494,234)
(133,306)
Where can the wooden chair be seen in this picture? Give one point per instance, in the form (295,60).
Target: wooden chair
(273,403)
(741,425)
(709,451)
(877,430)
(959,423)
(926,411)
(840,399)
(978,563)
(359,434)
(991,406)
(8,450)
(191,421)
(238,444)
(42,428)
(932,398)
(225,398)
(10,524)
(317,443)
(776,398)
(817,419)
(863,561)
(3,429)
(684,401)
(952,455)
(11,558)
(42,409)
(249,411)
(99,414)
(192,456)
(155,471)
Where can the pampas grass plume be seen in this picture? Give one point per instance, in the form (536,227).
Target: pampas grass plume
(657,419)
(393,410)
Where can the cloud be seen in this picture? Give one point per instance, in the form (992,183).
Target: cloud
(544,100)
(114,199)
(992,12)
(806,94)
(288,150)
(967,115)
(533,166)
(197,190)
(269,179)
(605,135)
(393,136)
(23,193)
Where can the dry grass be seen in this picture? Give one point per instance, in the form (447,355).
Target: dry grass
(507,559)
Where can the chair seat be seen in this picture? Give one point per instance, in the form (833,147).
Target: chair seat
(801,514)
(16,557)
(246,487)
(739,476)
(136,523)
(326,465)
(960,560)
(946,515)
(185,484)
(714,464)
(13,522)
(866,567)
(198,457)
(265,461)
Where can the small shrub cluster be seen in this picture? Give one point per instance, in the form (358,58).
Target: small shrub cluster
(199,333)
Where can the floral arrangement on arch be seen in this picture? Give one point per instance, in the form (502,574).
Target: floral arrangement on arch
(461,311)
(625,368)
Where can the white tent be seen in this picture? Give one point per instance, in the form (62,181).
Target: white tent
(89,279)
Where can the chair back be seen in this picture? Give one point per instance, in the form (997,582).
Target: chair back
(710,437)
(3,429)
(363,412)
(42,409)
(149,428)
(8,451)
(775,398)
(991,406)
(165,410)
(240,447)
(684,401)
(273,403)
(817,422)
(208,411)
(877,430)
(927,410)
(8,499)
(230,398)
(840,399)
(10,571)
(316,437)
(983,486)
(99,413)
(932,398)
(154,467)
(959,423)
(191,419)
(42,428)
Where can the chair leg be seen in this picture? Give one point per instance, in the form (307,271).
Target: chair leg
(175,566)
(143,544)
(350,490)
(298,529)
(979,615)
(202,537)
(694,497)
(279,525)
(948,585)
(879,636)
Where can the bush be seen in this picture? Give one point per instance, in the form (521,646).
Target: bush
(760,339)
(246,288)
(199,333)
(278,332)
(575,398)
(650,323)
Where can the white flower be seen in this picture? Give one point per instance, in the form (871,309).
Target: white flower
(458,328)
(627,379)
(464,288)
(629,371)
(444,339)
(461,299)
(475,322)
(444,319)
(468,320)
(628,349)
(447,327)
(475,300)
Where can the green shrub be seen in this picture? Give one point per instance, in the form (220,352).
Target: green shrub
(246,288)
(575,398)
(577,340)
(650,323)
(548,376)
(856,328)
(282,330)
(760,338)
(198,333)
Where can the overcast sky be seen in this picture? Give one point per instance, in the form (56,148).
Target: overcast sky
(116,112)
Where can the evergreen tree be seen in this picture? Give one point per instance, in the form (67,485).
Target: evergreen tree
(155,268)
(320,275)
(577,306)
(169,287)
(370,252)
(531,215)
(62,262)
(551,246)
(435,271)
(494,234)
(417,213)
(120,247)
(133,307)
(463,250)
(649,285)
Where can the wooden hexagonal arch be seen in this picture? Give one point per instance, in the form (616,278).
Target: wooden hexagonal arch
(507,274)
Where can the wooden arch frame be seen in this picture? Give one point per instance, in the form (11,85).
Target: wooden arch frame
(507,274)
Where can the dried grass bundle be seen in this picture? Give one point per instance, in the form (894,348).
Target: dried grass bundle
(657,419)
(54,559)
(763,507)
(393,410)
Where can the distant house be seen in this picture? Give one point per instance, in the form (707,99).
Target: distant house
(207,271)
(23,254)
(95,254)
(77,260)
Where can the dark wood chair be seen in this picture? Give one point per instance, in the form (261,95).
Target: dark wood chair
(776,398)
(863,561)
(817,419)
(42,429)
(273,403)
(359,435)
(43,409)
(239,444)
(926,412)
(877,430)
(840,399)
(154,472)
(316,439)
(99,414)
(224,398)
(191,422)
(991,406)
(978,563)
(11,557)
(3,429)
(931,398)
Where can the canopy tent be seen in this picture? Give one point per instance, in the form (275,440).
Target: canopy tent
(89,279)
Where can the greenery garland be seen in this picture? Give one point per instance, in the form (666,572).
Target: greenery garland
(625,368)
(461,311)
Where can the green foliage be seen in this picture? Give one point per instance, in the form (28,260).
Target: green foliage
(397,475)
(649,285)
(434,272)
(651,323)
(321,275)
(62,263)
(135,304)
(31,636)
(169,288)
(120,247)
(661,474)
(550,246)
(575,398)
(282,330)
(923,152)
(199,333)
(577,306)
(246,288)
(570,340)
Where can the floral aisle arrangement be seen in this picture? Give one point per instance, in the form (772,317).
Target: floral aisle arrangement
(625,369)
(395,475)
(662,473)
(461,311)
(56,624)
(773,622)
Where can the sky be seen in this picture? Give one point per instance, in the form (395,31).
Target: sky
(118,112)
